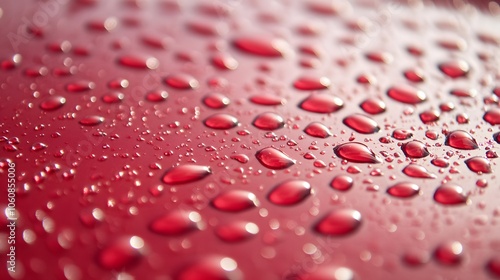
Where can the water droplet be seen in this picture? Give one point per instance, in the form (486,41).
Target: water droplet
(449,253)
(181,81)
(91,120)
(211,268)
(361,123)
(415,149)
(455,69)
(268,121)
(53,103)
(261,46)
(339,222)
(36,72)
(356,152)
(235,201)
(418,171)
(221,121)
(113,97)
(493,266)
(402,134)
(267,100)
(416,257)
(80,86)
(91,217)
(121,253)
(479,165)
(381,57)
(373,106)
(274,159)
(492,116)
(312,83)
(429,116)
(440,162)
(177,222)
(496,137)
(328,272)
(460,139)
(139,61)
(450,194)
(460,92)
(342,183)
(156,96)
(415,75)
(407,94)
(216,100)
(242,158)
(290,192)
(187,173)
(224,61)
(236,231)
(11,62)
(118,83)
(404,190)
(316,129)
(322,103)
(38,146)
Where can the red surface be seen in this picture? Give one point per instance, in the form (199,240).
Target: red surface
(100,100)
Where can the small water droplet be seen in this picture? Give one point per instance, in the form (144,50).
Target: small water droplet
(404,190)
(342,183)
(361,123)
(381,57)
(177,222)
(460,139)
(91,120)
(235,201)
(156,96)
(492,116)
(461,92)
(450,194)
(429,116)
(274,159)
(242,158)
(417,171)
(493,266)
(339,222)
(113,97)
(415,149)
(316,129)
(261,46)
(236,231)
(268,121)
(121,253)
(216,100)
(440,162)
(479,165)
(312,83)
(38,146)
(415,75)
(373,106)
(224,61)
(455,69)
(267,100)
(416,257)
(181,81)
(290,192)
(187,173)
(80,86)
(139,61)
(210,268)
(407,94)
(221,121)
(402,134)
(322,103)
(53,103)
(356,152)
(449,253)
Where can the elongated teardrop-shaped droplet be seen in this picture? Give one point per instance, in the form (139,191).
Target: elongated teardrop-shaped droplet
(322,103)
(455,69)
(235,201)
(402,134)
(91,120)
(185,174)
(224,61)
(356,152)
(361,123)
(290,192)
(268,121)
(460,139)
(429,116)
(236,231)
(157,96)
(80,86)
(339,222)
(312,83)
(267,100)
(139,61)
(404,190)
(113,97)
(216,100)
(121,253)
(177,222)
(261,46)
(53,103)
(373,106)
(406,94)
(274,159)
(479,165)
(221,121)
(460,92)
(415,149)
(450,194)
(210,268)
(181,81)
(342,183)
(417,171)
(492,116)
(449,253)
(318,130)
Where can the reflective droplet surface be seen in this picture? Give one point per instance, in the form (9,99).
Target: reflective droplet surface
(415,149)
(210,268)
(402,134)
(113,97)
(181,81)
(339,222)
(356,152)
(373,106)
(236,231)
(274,159)
(52,103)
(322,103)
(312,83)
(224,61)
(361,123)
(216,100)
(268,121)
(407,94)
(462,140)
(187,173)
(157,96)
(449,253)
(404,190)
(80,86)
(261,46)
(492,116)
(417,171)
(267,100)
(455,69)
(328,272)
(121,253)
(177,222)
(235,201)
(290,192)
(316,129)
(415,75)
(221,121)
(139,61)
(479,164)
(91,120)
(429,116)
(493,266)
(450,194)
(342,183)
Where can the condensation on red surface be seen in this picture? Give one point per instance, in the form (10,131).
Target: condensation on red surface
(151,139)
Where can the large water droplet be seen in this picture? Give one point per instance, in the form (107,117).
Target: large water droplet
(236,231)
(181,81)
(290,192)
(361,123)
(356,152)
(402,134)
(185,174)
(312,83)
(316,129)
(492,116)
(373,106)
(177,222)
(261,46)
(460,139)
(322,103)
(407,94)
(417,171)
(342,183)
(404,190)
(415,149)
(429,116)
(121,253)
(91,120)
(139,61)
(479,165)
(235,201)
(450,194)
(274,159)
(455,69)
(268,121)
(449,253)
(221,121)
(339,222)
(211,268)
(53,103)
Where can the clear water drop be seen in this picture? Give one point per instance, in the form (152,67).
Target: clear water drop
(187,173)
(274,159)
(404,190)
(361,123)
(177,222)
(322,103)
(462,140)
(268,121)
(339,222)
(407,94)
(450,194)
(290,192)
(356,152)
(235,201)
(52,103)
(318,130)
(221,121)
